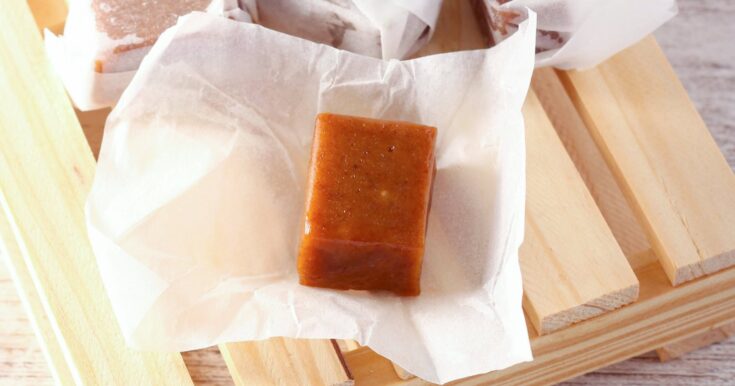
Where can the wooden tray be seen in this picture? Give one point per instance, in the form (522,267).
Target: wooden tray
(630,231)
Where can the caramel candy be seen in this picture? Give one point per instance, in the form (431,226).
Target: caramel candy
(367,204)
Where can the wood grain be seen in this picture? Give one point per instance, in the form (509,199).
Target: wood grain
(566,237)
(284,362)
(45,173)
(699,46)
(592,167)
(21,359)
(44,331)
(698,43)
(680,347)
(573,269)
(663,156)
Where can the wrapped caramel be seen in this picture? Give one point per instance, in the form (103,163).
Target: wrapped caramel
(576,33)
(104,41)
(202,200)
(388,29)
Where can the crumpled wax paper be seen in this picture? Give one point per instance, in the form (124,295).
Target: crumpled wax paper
(196,208)
(89,59)
(388,29)
(579,34)
(405,25)
(380,28)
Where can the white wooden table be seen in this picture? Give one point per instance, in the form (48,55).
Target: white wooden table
(701,47)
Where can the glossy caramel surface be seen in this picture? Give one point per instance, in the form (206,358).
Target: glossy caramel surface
(367,204)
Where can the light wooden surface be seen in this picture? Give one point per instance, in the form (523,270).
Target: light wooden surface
(102,357)
(592,167)
(573,269)
(662,312)
(284,362)
(715,364)
(687,345)
(668,165)
(46,169)
(699,45)
(26,291)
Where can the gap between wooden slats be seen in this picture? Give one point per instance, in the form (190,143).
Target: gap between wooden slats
(591,166)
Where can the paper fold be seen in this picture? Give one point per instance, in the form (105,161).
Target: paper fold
(195,211)
(95,71)
(579,34)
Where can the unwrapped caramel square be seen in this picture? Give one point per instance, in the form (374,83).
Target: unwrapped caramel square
(367,204)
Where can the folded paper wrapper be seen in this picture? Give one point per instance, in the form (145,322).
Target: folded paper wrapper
(195,213)
(578,34)
(388,29)
(105,40)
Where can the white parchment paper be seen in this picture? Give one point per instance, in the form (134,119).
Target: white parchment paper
(195,211)
(592,30)
(405,25)
(380,28)
(74,53)
(388,29)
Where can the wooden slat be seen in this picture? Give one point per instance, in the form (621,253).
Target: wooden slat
(573,268)
(592,167)
(285,362)
(661,315)
(23,283)
(566,237)
(46,169)
(684,346)
(662,154)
